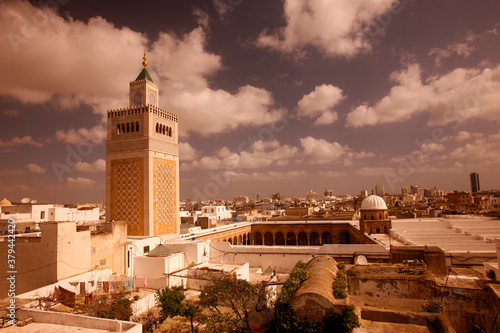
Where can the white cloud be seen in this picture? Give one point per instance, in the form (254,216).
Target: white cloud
(332,174)
(402,102)
(320,103)
(91,63)
(463,49)
(454,97)
(373,171)
(319,151)
(81,182)
(336,28)
(269,175)
(187,152)
(96,135)
(259,154)
(34,168)
(11,113)
(98,166)
(482,149)
(25,140)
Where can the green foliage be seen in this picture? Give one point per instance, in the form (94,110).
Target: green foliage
(339,285)
(298,275)
(170,301)
(112,306)
(285,319)
(341,323)
(238,295)
(433,307)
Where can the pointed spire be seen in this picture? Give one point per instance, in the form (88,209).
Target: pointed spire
(144,63)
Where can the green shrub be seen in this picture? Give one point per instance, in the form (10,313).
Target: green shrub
(433,307)
(341,323)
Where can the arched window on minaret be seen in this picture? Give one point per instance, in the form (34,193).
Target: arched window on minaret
(132,128)
(170,131)
(137,99)
(118,129)
(123,128)
(128,127)
(157,126)
(163,130)
(152,99)
(137,126)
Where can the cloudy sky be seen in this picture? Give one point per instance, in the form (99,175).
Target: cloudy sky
(272,96)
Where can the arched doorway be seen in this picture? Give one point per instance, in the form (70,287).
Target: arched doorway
(279,239)
(245,239)
(344,238)
(235,240)
(326,238)
(230,241)
(268,239)
(302,239)
(290,239)
(314,238)
(257,238)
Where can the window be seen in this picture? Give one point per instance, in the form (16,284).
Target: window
(137,99)
(42,215)
(118,129)
(146,249)
(137,126)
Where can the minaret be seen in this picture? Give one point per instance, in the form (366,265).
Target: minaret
(142,162)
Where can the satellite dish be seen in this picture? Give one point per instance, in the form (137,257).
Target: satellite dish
(25,200)
(34,202)
(361,261)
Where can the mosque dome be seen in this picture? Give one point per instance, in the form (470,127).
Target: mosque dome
(5,202)
(373,202)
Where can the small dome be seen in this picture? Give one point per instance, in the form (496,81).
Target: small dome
(373,202)
(160,251)
(5,202)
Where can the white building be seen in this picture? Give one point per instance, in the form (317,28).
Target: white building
(216,212)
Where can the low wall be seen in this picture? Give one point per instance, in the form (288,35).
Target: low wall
(283,258)
(68,319)
(144,304)
(437,322)
(460,302)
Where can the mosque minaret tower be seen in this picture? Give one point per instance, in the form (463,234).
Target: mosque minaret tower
(142,162)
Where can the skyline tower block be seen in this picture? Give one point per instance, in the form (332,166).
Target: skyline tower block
(474,182)
(142,162)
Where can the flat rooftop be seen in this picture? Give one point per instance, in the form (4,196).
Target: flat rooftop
(474,234)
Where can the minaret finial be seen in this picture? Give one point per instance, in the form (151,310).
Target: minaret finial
(144,63)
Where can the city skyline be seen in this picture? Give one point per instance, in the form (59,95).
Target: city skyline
(272,97)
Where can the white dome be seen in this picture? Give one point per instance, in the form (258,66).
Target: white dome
(373,202)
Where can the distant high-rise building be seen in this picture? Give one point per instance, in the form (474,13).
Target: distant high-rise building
(276,196)
(312,196)
(328,193)
(474,182)
(241,199)
(380,190)
(404,190)
(413,189)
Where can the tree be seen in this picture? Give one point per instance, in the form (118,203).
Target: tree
(112,306)
(172,302)
(240,296)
